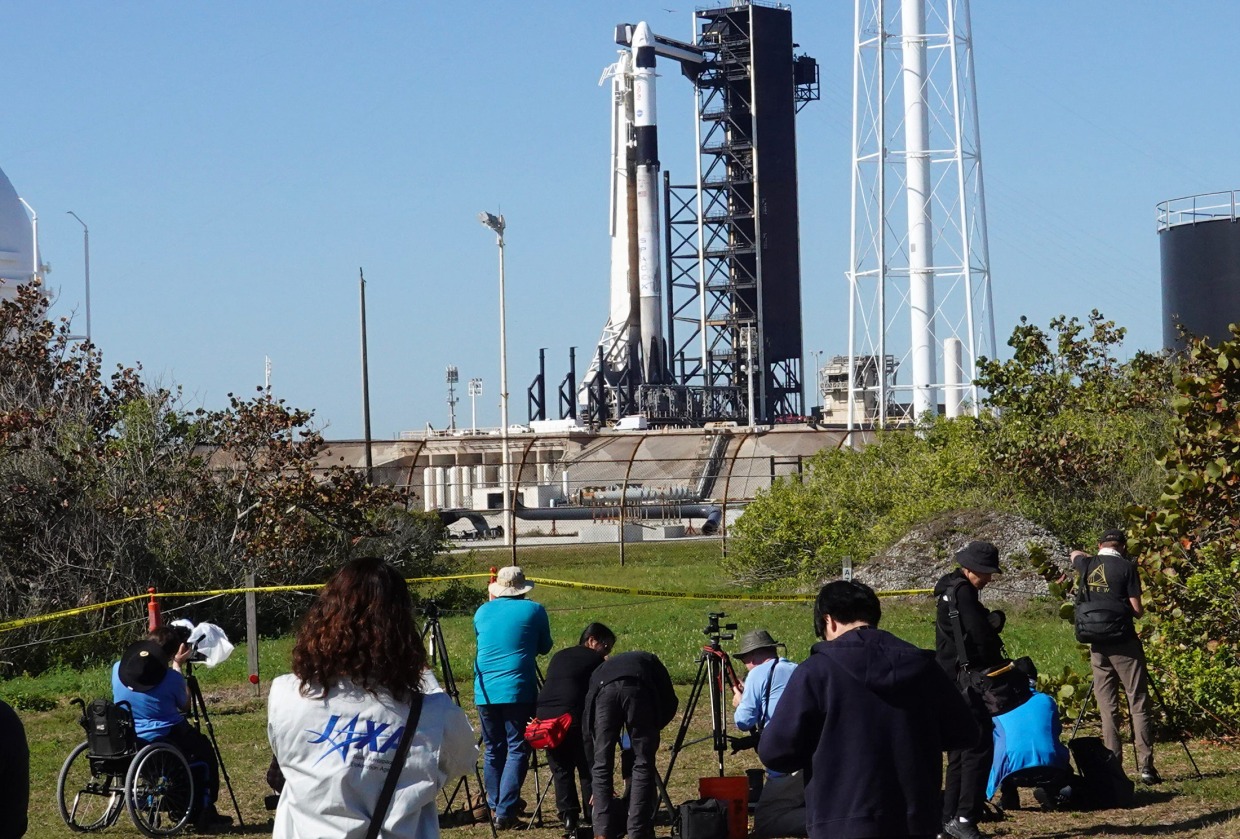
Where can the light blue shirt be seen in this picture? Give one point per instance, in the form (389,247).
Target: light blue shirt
(511,632)
(1027,737)
(159,710)
(756,707)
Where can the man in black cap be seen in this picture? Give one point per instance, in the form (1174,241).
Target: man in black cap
(1108,597)
(966,636)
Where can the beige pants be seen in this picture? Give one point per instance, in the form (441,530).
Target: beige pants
(1124,663)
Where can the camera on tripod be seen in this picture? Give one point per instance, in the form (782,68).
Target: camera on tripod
(183,634)
(717,631)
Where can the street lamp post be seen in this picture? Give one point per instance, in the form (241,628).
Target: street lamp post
(86,249)
(817,354)
(496,224)
(475,390)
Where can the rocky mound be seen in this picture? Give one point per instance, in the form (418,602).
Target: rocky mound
(925,554)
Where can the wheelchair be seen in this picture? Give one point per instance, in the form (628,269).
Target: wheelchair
(113,769)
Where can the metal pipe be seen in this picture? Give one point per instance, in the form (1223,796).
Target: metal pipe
(86,257)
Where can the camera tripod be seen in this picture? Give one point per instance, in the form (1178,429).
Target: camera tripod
(437,648)
(1091,699)
(715,674)
(198,711)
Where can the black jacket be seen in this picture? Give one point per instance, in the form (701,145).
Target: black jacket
(567,682)
(867,717)
(645,669)
(982,645)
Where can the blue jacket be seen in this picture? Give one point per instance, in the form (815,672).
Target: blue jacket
(512,632)
(867,717)
(1025,738)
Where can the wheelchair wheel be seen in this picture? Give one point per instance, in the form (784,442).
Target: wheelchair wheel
(90,798)
(159,790)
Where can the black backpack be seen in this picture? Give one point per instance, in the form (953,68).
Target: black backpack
(1104,784)
(706,818)
(1099,621)
(109,727)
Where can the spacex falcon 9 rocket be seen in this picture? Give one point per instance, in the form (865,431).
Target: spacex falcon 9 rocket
(632,346)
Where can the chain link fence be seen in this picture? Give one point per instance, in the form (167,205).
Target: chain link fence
(602,493)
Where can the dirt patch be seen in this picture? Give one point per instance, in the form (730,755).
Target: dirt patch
(925,554)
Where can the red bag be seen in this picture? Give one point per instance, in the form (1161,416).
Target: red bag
(547,734)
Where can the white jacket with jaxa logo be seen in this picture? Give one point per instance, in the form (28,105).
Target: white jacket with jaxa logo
(335,751)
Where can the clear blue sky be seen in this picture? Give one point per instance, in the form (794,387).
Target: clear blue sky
(237,162)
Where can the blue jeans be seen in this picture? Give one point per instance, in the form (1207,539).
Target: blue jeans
(507,756)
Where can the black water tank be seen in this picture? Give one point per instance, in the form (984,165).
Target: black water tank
(1199,243)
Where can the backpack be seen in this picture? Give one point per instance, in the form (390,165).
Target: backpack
(705,818)
(1101,621)
(1104,785)
(109,728)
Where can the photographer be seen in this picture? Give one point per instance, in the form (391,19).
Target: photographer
(780,810)
(966,636)
(564,692)
(148,677)
(631,691)
(1108,597)
(764,682)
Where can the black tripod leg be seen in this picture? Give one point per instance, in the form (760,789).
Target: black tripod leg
(685,719)
(1089,699)
(199,705)
(1162,704)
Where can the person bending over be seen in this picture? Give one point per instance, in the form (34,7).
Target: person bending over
(630,691)
(564,692)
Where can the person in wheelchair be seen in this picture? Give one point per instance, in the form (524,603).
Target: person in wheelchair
(148,677)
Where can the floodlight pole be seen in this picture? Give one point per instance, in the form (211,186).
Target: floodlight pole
(370,463)
(497,225)
(475,390)
(86,250)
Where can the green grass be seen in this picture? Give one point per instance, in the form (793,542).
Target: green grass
(672,628)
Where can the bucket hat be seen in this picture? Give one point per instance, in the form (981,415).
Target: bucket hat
(755,639)
(510,582)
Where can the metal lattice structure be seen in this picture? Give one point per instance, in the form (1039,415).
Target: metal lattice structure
(732,239)
(919,273)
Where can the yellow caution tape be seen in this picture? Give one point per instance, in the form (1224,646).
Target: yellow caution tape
(724,596)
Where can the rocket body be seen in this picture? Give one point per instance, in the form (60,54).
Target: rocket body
(646,178)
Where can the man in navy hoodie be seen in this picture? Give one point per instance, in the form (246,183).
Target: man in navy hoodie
(867,717)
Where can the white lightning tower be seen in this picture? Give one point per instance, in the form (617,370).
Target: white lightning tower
(919,272)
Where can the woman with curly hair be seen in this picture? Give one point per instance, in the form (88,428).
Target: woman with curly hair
(335,723)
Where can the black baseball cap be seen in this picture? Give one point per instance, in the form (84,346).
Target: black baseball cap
(1114,535)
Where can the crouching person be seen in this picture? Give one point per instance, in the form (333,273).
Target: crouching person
(1028,753)
(867,718)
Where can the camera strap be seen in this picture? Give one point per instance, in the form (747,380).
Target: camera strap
(398,764)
